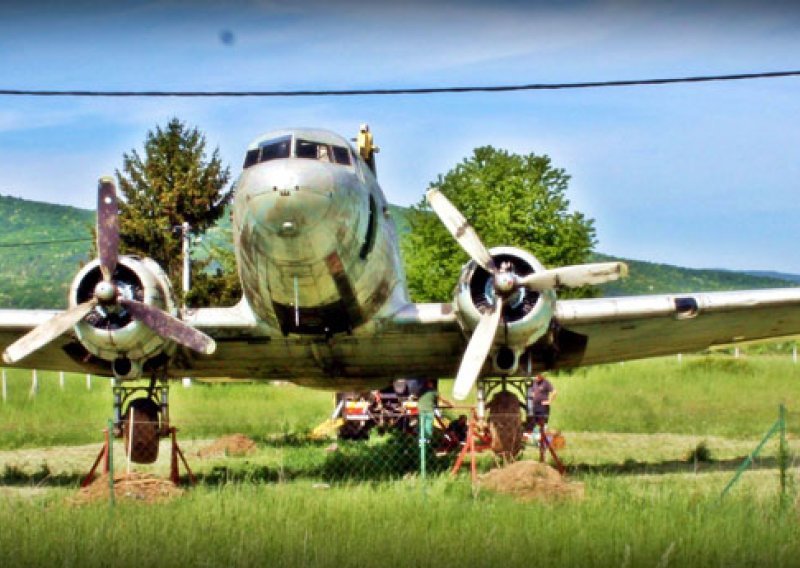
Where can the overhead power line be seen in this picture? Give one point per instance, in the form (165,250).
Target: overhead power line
(401,91)
(37,243)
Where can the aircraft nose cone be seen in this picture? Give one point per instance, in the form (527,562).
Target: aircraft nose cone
(287,201)
(287,213)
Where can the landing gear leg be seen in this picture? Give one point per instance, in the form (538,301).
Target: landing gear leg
(504,421)
(145,422)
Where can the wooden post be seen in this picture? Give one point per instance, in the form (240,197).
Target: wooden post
(88,381)
(61,379)
(5,387)
(794,354)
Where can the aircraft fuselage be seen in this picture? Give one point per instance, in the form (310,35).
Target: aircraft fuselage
(316,248)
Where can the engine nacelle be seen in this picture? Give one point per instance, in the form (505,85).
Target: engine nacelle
(527,314)
(110,333)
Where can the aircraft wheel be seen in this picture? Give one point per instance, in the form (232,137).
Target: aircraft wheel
(144,446)
(505,426)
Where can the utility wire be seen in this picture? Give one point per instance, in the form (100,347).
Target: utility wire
(37,243)
(400,91)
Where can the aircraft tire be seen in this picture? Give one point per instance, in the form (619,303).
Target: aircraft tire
(144,448)
(505,426)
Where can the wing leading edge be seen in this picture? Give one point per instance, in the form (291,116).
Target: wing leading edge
(619,329)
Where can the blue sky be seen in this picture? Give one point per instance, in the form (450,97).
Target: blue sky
(696,175)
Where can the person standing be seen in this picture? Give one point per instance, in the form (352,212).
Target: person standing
(541,395)
(427,405)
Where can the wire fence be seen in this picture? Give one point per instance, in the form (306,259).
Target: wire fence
(394,454)
(449,443)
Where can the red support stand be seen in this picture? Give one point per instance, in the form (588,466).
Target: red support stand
(176,452)
(544,445)
(470,447)
(103,455)
(174,466)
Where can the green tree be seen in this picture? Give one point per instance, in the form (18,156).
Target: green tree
(174,182)
(511,200)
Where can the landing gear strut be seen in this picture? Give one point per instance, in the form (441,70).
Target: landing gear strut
(145,419)
(504,421)
(142,425)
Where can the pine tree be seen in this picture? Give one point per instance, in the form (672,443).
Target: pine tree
(173,183)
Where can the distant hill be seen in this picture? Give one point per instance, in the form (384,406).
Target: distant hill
(773,274)
(36,273)
(653,278)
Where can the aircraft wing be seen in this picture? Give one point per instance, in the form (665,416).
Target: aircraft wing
(617,329)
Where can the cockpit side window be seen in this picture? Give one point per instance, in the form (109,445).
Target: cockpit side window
(341,155)
(251,158)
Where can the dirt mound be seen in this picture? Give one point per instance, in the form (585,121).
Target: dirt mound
(233,445)
(530,481)
(133,486)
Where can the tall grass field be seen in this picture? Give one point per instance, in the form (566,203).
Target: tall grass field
(633,433)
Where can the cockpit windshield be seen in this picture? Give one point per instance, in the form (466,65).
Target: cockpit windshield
(306,149)
(321,151)
(269,150)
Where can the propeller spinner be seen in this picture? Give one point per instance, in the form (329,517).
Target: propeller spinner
(505,283)
(106,294)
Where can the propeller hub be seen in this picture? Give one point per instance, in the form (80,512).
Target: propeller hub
(505,282)
(105,292)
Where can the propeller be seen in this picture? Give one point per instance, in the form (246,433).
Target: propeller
(505,282)
(574,276)
(107,295)
(477,350)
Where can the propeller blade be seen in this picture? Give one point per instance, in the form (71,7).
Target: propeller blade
(475,355)
(169,327)
(107,227)
(460,229)
(43,334)
(575,276)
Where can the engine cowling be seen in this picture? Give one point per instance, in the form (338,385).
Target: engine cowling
(526,314)
(110,333)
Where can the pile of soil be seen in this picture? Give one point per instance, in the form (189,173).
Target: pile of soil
(530,481)
(232,445)
(133,486)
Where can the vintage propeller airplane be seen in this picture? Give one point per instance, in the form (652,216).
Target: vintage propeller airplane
(325,303)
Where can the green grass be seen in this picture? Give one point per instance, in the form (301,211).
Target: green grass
(631,430)
(621,522)
(715,396)
(76,415)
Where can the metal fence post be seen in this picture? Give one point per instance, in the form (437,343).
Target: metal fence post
(424,419)
(746,463)
(783,451)
(110,461)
